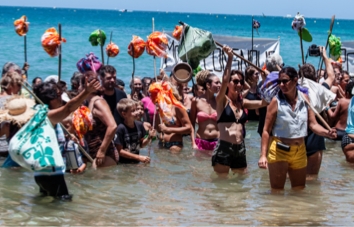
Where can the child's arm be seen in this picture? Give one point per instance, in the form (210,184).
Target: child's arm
(127,154)
(146,140)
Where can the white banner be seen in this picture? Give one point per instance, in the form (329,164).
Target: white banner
(348,57)
(216,61)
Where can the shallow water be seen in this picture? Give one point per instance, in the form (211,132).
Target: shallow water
(181,189)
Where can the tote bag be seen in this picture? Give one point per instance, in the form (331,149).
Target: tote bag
(35,145)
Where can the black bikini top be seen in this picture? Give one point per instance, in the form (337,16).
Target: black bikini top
(228,115)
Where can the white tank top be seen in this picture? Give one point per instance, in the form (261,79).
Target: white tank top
(290,124)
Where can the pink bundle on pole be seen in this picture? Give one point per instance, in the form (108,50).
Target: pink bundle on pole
(156,44)
(51,42)
(21,26)
(112,50)
(136,47)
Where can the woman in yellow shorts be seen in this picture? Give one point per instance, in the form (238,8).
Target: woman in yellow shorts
(288,117)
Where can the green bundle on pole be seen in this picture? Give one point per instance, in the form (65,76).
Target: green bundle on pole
(98,37)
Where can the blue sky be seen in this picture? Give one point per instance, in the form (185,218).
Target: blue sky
(309,8)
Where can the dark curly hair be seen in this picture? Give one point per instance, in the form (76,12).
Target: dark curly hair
(47,91)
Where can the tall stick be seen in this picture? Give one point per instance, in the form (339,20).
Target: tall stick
(153,29)
(317,114)
(302,49)
(110,41)
(59,66)
(242,58)
(82,150)
(101,45)
(25,47)
(252,41)
(329,34)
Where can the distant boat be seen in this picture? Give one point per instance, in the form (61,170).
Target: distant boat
(123,10)
(288,15)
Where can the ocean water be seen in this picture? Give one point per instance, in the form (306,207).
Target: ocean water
(174,189)
(77,25)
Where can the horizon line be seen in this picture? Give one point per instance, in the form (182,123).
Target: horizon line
(132,10)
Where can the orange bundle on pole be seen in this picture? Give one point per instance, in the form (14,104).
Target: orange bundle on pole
(51,42)
(136,47)
(156,44)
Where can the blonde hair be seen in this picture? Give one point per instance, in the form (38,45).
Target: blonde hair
(124,105)
(203,77)
(10,79)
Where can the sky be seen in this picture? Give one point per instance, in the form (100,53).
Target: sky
(343,9)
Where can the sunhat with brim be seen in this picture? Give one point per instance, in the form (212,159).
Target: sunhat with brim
(18,110)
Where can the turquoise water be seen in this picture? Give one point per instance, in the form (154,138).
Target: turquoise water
(77,25)
(175,189)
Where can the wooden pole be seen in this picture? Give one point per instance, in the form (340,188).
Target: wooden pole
(242,58)
(252,41)
(82,150)
(301,47)
(59,66)
(110,41)
(329,34)
(101,44)
(25,47)
(317,114)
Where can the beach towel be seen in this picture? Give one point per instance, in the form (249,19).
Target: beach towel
(35,145)
(350,120)
(162,95)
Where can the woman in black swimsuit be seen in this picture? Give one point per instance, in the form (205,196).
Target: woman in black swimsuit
(230,152)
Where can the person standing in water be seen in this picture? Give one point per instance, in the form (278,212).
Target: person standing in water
(288,118)
(203,110)
(230,151)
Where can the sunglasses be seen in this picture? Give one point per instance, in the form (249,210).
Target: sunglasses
(238,81)
(347,81)
(283,81)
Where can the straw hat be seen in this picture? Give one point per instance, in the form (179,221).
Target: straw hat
(17,110)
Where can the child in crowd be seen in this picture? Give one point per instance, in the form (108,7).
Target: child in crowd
(140,115)
(130,134)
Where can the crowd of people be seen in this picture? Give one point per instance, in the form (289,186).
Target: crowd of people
(213,118)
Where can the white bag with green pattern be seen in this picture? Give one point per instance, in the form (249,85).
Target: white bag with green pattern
(35,145)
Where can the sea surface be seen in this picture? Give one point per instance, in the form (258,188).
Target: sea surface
(77,25)
(174,189)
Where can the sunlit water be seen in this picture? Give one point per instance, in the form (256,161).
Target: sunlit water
(181,189)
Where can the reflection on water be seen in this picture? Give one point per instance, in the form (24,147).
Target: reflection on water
(181,189)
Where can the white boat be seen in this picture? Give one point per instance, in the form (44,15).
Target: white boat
(123,10)
(288,15)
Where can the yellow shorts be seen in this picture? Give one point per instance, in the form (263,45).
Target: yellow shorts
(296,157)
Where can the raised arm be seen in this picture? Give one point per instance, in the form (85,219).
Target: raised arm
(57,115)
(220,97)
(329,68)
